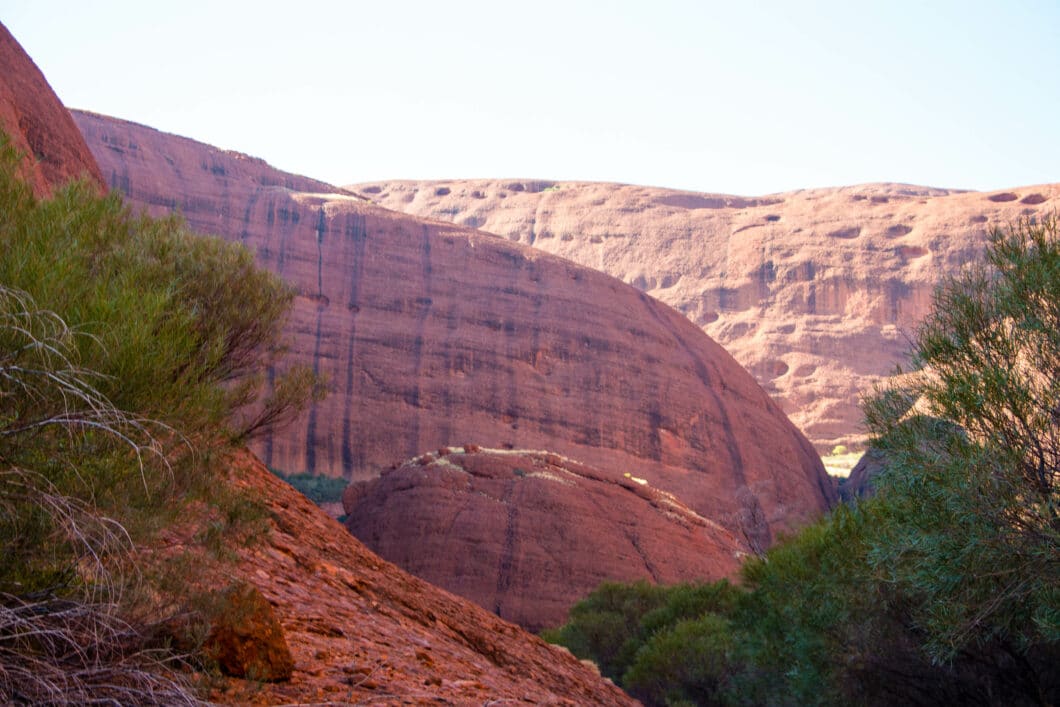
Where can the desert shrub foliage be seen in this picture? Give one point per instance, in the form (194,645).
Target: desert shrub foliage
(132,355)
(942,589)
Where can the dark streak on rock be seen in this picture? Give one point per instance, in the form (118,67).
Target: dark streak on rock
(630,534)
(633,540)
(244,232)
(507,561)
(418,345)
(710,383)
(321,229)
(356,233)
(311,423)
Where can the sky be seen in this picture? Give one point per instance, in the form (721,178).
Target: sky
(732,97)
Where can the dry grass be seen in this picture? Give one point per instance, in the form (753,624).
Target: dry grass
(73,649)
(60,652)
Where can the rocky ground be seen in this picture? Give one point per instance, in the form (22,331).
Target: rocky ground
(362,631)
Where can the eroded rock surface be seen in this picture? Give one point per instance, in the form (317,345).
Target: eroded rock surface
(526,534)
(38,125)
(813,291)
(362,631)
(433,334)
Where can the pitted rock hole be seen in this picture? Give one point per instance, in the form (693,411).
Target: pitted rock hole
(898,230)
(1003,197)
(851,232)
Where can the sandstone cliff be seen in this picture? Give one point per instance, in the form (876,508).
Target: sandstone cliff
(38,125)
(526,534)
(813,291)
(433,334)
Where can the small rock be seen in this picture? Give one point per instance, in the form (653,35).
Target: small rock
(246,639)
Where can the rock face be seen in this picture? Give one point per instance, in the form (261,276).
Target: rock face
(432,334)
(526,534)
(812,291)
(362,631)
(39,127)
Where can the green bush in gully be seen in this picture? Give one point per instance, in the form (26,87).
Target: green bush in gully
(318,489)
(130,351)
(944,588)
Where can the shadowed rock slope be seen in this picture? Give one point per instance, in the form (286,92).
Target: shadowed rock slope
(38,125)
(812,291)
(362,631)
(432,334)
(860,483)
(525,534)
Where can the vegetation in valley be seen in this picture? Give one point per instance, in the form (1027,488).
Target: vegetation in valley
(841,461)
(132,355)
(318,489)
(945,587)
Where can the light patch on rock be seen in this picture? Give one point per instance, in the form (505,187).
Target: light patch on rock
(446,464)
(549,476)
(301,196)
(529,453)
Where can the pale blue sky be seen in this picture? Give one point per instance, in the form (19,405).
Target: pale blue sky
(737,97)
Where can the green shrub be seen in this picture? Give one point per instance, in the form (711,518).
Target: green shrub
(605,626)
(318,489)
(690,601)
(131,354)
(613,624)
(687,662)
(130,349)
(945,587)
(973,477)
(180,327)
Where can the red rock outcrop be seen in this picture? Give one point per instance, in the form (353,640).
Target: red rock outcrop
(39,127)
(526,534)
(362,631)
(433,335)
(812,291)
(246,638)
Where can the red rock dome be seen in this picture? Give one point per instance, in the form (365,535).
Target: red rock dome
(38,125)
(433,334)
(526,534)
